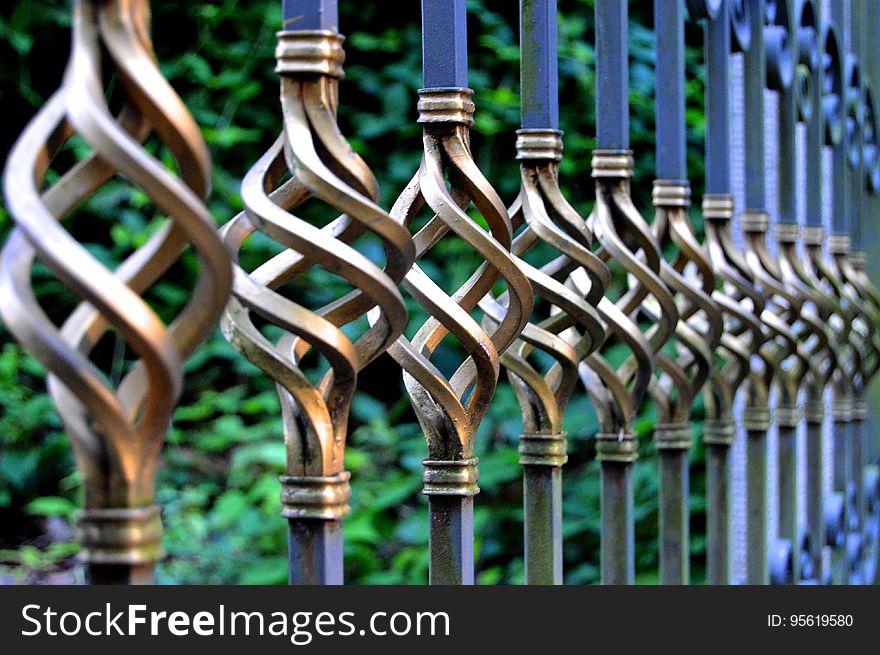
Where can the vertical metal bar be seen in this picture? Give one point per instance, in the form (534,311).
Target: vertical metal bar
(314,548)
(310,14)
(815,497)
(755,62)
(717,55)
(539,75)
(755,197)
(542,508)
(789,527)
(617,542)
(817,129)
(718,465)
(700,326)
(444,62)
(669,91)
(757,560)
(444,43)
(451,540)
(618,533)
(542,476)
(840,228)
(612,75)
(674,516)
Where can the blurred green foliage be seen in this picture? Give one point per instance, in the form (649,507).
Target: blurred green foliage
(218,483)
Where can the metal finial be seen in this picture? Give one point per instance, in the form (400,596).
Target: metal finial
(322,165)
(116,431)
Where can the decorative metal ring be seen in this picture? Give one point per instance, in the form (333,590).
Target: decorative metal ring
(545,145)
(123,536)
(451,477)
(310,52)
(543,449)
(446,105)
(315,496)
(812,235)
(839,244)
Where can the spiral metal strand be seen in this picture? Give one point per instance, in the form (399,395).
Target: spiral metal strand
(449,410)
(617,392)
(116,431)
(572,330)
(322,166)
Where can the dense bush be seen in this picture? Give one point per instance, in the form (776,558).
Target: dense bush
(218,483)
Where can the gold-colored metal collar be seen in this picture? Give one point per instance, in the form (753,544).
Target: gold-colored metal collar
(539,144)
(310,51)
(671,193)
(612,163)
(718,207)
(754,222)
(315,497)
(446,105)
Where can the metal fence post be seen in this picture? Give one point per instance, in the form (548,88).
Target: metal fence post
(797,103)
(740,305)
(315,489)
(116,431)
(782,308)
(700,324)
(617,394)
(450,410)
(573,329)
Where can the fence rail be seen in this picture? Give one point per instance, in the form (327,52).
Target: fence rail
(768,311)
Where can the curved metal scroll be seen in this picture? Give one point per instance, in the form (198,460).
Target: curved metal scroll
(321,165)
(116,431)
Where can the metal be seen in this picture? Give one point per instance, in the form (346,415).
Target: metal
(450,409)
(768,64)
(322,166)
(860,125)
(698,330)
(797,102)
(736,298)
(116,431)
(541,215)
(617,393)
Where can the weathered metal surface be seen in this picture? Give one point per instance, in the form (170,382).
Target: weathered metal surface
(617,224)
(449,410)
(741,305)
(116,431)
(321,166)
(570,328)
(698,331)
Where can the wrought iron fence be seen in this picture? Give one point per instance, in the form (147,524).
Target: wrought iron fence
(776,328)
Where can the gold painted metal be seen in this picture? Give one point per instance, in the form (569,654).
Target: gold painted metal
(697,335)
(743,337)
(541,215)
(450,409)
(116,431)
(786,361)
(323,167)
(617,388)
